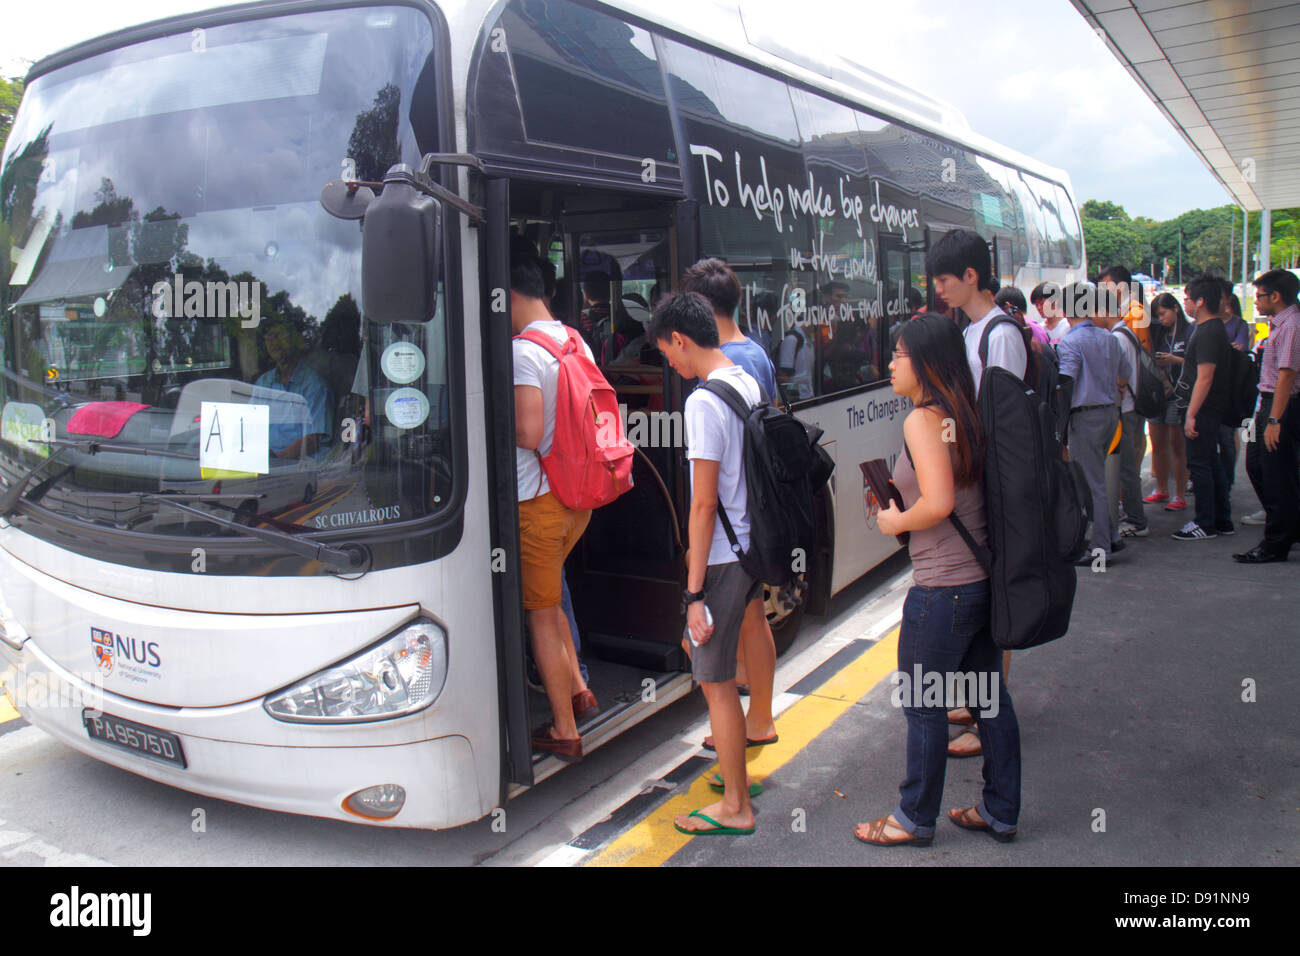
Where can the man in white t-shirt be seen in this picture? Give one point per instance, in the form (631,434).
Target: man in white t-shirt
(547,529)
(1123,470)
(684,329)
(1046,298)
(962,271)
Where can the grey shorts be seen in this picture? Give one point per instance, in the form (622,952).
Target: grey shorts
(1173,415)
(728,589)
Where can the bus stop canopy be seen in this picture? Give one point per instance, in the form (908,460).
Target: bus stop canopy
(1224,72)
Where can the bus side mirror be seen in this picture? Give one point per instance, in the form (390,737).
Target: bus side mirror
(401,262)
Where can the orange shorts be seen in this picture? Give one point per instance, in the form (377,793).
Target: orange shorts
(547,533)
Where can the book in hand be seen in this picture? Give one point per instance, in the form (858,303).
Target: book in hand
(876,474)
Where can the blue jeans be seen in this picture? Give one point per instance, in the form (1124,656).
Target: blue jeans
(946,631)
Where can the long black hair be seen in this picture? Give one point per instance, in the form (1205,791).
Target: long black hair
(938,355)
(1166,300)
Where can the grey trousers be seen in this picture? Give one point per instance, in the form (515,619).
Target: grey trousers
(1091,430)
(1124,474)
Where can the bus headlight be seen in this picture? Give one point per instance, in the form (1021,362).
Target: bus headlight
(399,676)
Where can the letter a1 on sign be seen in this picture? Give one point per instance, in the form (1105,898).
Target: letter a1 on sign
(234,437)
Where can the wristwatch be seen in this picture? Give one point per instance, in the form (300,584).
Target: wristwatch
(690,597)
(1275,421)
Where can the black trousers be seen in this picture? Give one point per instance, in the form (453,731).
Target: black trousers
(1275,477)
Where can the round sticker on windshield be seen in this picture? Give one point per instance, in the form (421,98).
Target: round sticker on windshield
(402,362)
(407,407)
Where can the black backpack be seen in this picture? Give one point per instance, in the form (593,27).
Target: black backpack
(1038,508)
(1150,387)
(1042,367)
(1243,387)
(785,467)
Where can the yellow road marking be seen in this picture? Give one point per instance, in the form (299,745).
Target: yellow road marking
(653,840)
(7,712)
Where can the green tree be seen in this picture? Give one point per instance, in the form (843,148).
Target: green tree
(1208,252)
(11,93)
(1113,243)
(1104,210)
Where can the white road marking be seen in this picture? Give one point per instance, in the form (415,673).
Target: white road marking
(25,843)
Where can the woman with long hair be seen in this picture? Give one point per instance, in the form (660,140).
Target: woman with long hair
(945,638)
(1169,335)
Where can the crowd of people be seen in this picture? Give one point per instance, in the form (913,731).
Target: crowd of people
(1104,341)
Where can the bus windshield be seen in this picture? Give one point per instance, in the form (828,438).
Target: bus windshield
(169,280)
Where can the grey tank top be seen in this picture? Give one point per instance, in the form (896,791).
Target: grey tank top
(940,558)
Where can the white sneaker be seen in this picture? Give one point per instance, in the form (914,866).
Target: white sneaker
(1257,518)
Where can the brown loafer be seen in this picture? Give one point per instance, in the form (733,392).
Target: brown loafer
(585,705)
(568,749)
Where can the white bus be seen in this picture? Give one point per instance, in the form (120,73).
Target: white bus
(284,539)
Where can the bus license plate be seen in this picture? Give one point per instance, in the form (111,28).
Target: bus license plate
(137,738)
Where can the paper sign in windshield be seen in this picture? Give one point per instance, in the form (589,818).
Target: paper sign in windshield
(402,362)
(235,437)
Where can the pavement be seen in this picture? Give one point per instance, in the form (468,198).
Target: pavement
(1157,732)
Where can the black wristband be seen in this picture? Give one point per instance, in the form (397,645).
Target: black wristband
(690,597)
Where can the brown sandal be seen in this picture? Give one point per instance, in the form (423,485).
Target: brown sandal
(970,819)
(876,835)
(961,716)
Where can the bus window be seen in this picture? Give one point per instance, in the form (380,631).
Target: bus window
(842,257)
(1073,245)
(577,88)
(745,153)
(1049,205)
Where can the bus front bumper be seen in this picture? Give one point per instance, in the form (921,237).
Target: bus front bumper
(438,775)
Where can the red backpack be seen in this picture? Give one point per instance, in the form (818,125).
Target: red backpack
(590,462)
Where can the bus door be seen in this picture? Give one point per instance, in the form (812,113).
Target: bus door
(902,270)
(625,575)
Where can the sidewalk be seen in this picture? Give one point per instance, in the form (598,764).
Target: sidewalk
(1134,720)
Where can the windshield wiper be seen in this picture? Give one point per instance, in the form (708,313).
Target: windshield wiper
(351,557)
(93,446)
(90,446)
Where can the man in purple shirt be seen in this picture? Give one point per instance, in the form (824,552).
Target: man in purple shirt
(1272,458)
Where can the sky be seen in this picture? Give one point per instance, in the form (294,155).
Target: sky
(1029,74)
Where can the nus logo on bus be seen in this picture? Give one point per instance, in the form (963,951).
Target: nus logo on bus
(136,660)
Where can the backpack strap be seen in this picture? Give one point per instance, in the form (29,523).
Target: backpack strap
(736,403)
(558,351)
(982,555)
(1000,319)
(733,399)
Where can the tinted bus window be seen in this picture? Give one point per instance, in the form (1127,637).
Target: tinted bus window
(844,255)
(1054,227)
(1073,246)
(575,88)
(745,165)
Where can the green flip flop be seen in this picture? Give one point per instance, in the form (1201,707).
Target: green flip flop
(716,783)
(718,828)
